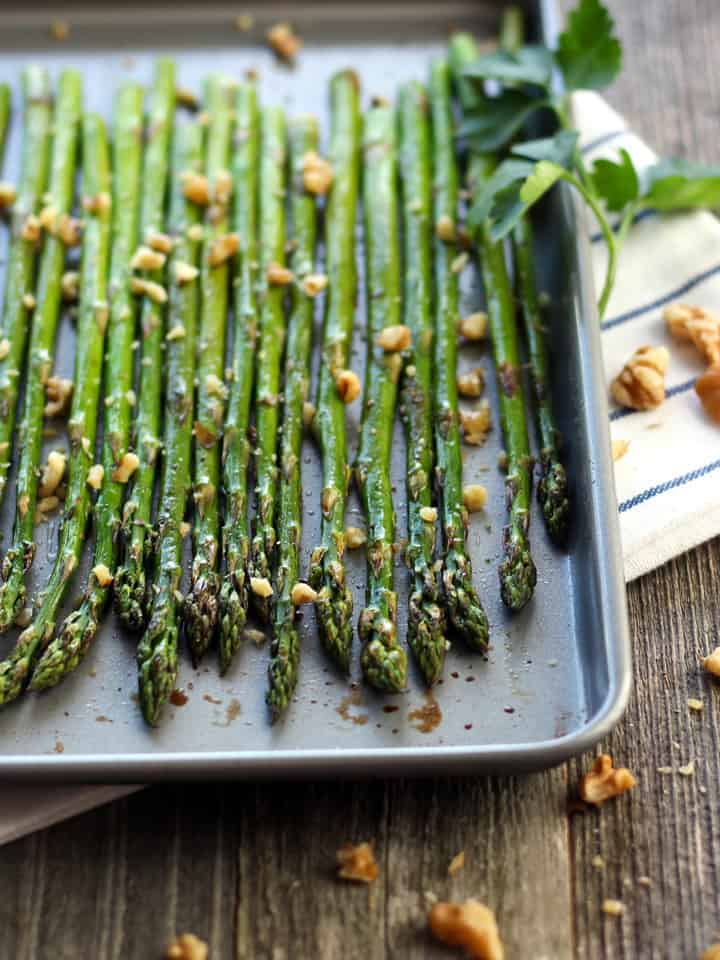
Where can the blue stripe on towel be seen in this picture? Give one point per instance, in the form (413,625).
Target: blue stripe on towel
(670,392)
(661,301)
(668,485)
(602,140)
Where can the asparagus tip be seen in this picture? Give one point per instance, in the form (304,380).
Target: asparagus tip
(157,666)
(201,613)
(233,604)
(130,596)
(333,608)
(283,669)
(383,662)
(426,631)
(465,610)
(553,497)
(66,651)
(517,572)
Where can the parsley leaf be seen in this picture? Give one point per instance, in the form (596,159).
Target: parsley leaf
(509,174)
(616,181)
(499,119)
(678,184)
(531,64)
(559,149)
(510,192)
(589,54)
(544,176)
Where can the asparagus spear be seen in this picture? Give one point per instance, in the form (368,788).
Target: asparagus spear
(130,584)
(20,554)
(464,608)
(269,355)
(92,320)
(327,570)
(517,570)
(157,650)
(201,604)
(65,652)
(285,652)
(552,483)
(4,116)
(383,661)
(20,272)
(426,626)
(236,441)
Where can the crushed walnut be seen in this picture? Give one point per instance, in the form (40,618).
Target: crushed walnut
(8,194)
(603,781)
(711,663)
(471,925)
(314,284)
(707,387)
(95,476)
(696,325)
(187,947)
(394,338)
(357,862)
(184,272)
(348,385)
(102,574)
(261,587)
(196,188)
(355,537)
(52,474)
(58,393)
(317,173)
(308,413)
(613,908)
(145,258)
(303,593)
(474,326)
(223,248)
(284,42)
(153,291)
(279,276)
(620,447)
(472,383)
(428,514)
(31,229)
(474,497)
(126,468)
(476,424)
(640,385)
(70,286)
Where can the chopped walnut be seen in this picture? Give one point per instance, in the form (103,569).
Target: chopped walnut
(154,291)
(187,947)
(159,241)
(474,497)
(186,98)
(308,413)
(95,476)
(613,908)
(204,435)
(476,424)
(355,537)
(185,528)
(472,383)
(394,338)
(317,173)
(102,574)
(223,248)
(145,258)
(348,385)
(457,863)
(357,862)
(428,514)
(284,42)
(604,781)
(445,229)
(29,301)
(46,505)
(126,468)
(184,272)
(48,217)
(58,392)
(711,663)
(68,229)
(314,284)
(460,262)
(100,203)
(53,472)
(70,286)
(697,325)
(707,387)
(175,333)
(31,229)
(474,326)
(279,276)
(261,587)
(8,194)
(196,232)
(695,705)
(620,447)
(641,383)
(471,925)
(196,188)
(303,593)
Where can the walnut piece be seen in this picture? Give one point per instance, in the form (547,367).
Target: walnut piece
(58,392)
(145,258)
(314,284)
(283,41)
(196,188)
(184,272)
(707,387)
(697,325)
(8,193)
(187,947)
(445,229)
(603,781)
(154,291)
(394,338)
(70,286)
(428,514)
(474,497)
(476,424)
(471,925)
(348,385)
(302,593)
(457,863)
(613,908)
(102,574)
(471,383)
(96,475)
(53,472)
(711,663)
(223,248)
(355,537)
(279,276)
(640,385)
(474,326)
(357,863)
(126,468)
(620,447)
(317,173)
(261,587)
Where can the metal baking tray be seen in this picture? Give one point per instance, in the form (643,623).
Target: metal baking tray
(557,676)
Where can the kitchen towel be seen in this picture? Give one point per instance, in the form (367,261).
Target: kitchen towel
(668,482)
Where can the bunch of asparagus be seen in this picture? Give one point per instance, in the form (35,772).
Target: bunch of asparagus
(161,284)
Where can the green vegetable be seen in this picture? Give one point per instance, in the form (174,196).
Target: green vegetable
(285,651)
(236,441)
(383,660)
(20,554)
(158,648)
(92,320)
(327,569)
(130,584)
(426,626)
(201,603)
(77,633)
(4,116)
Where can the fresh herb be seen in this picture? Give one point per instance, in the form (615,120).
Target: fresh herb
(588,56)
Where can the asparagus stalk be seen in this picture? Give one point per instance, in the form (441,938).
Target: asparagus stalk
(426,626)
(285,652)
(4,116)
(269,355)
(201,605)
(333,605)
(130,582)
(552,483)
(92,320)
(464,609)
(517,570)
(236,441)
(383,661)
(64,653)
(20,271)
(157,650)
(20,554)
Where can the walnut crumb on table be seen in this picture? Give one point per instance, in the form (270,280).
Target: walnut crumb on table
(471,925)
(603,781)
(711,663)
(187,947)
(357,863)
(640,385)
(613,908)
(620,447)
(284,42)
(457,863)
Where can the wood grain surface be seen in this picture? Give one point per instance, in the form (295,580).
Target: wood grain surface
(250,867)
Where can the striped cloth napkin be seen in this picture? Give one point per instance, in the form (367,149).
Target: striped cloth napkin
(667,486)
(667,482)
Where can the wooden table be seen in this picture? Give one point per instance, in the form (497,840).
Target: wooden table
(250,867)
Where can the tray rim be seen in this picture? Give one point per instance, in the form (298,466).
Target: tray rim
(403,761)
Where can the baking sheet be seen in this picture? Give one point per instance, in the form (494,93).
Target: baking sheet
(557,674)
